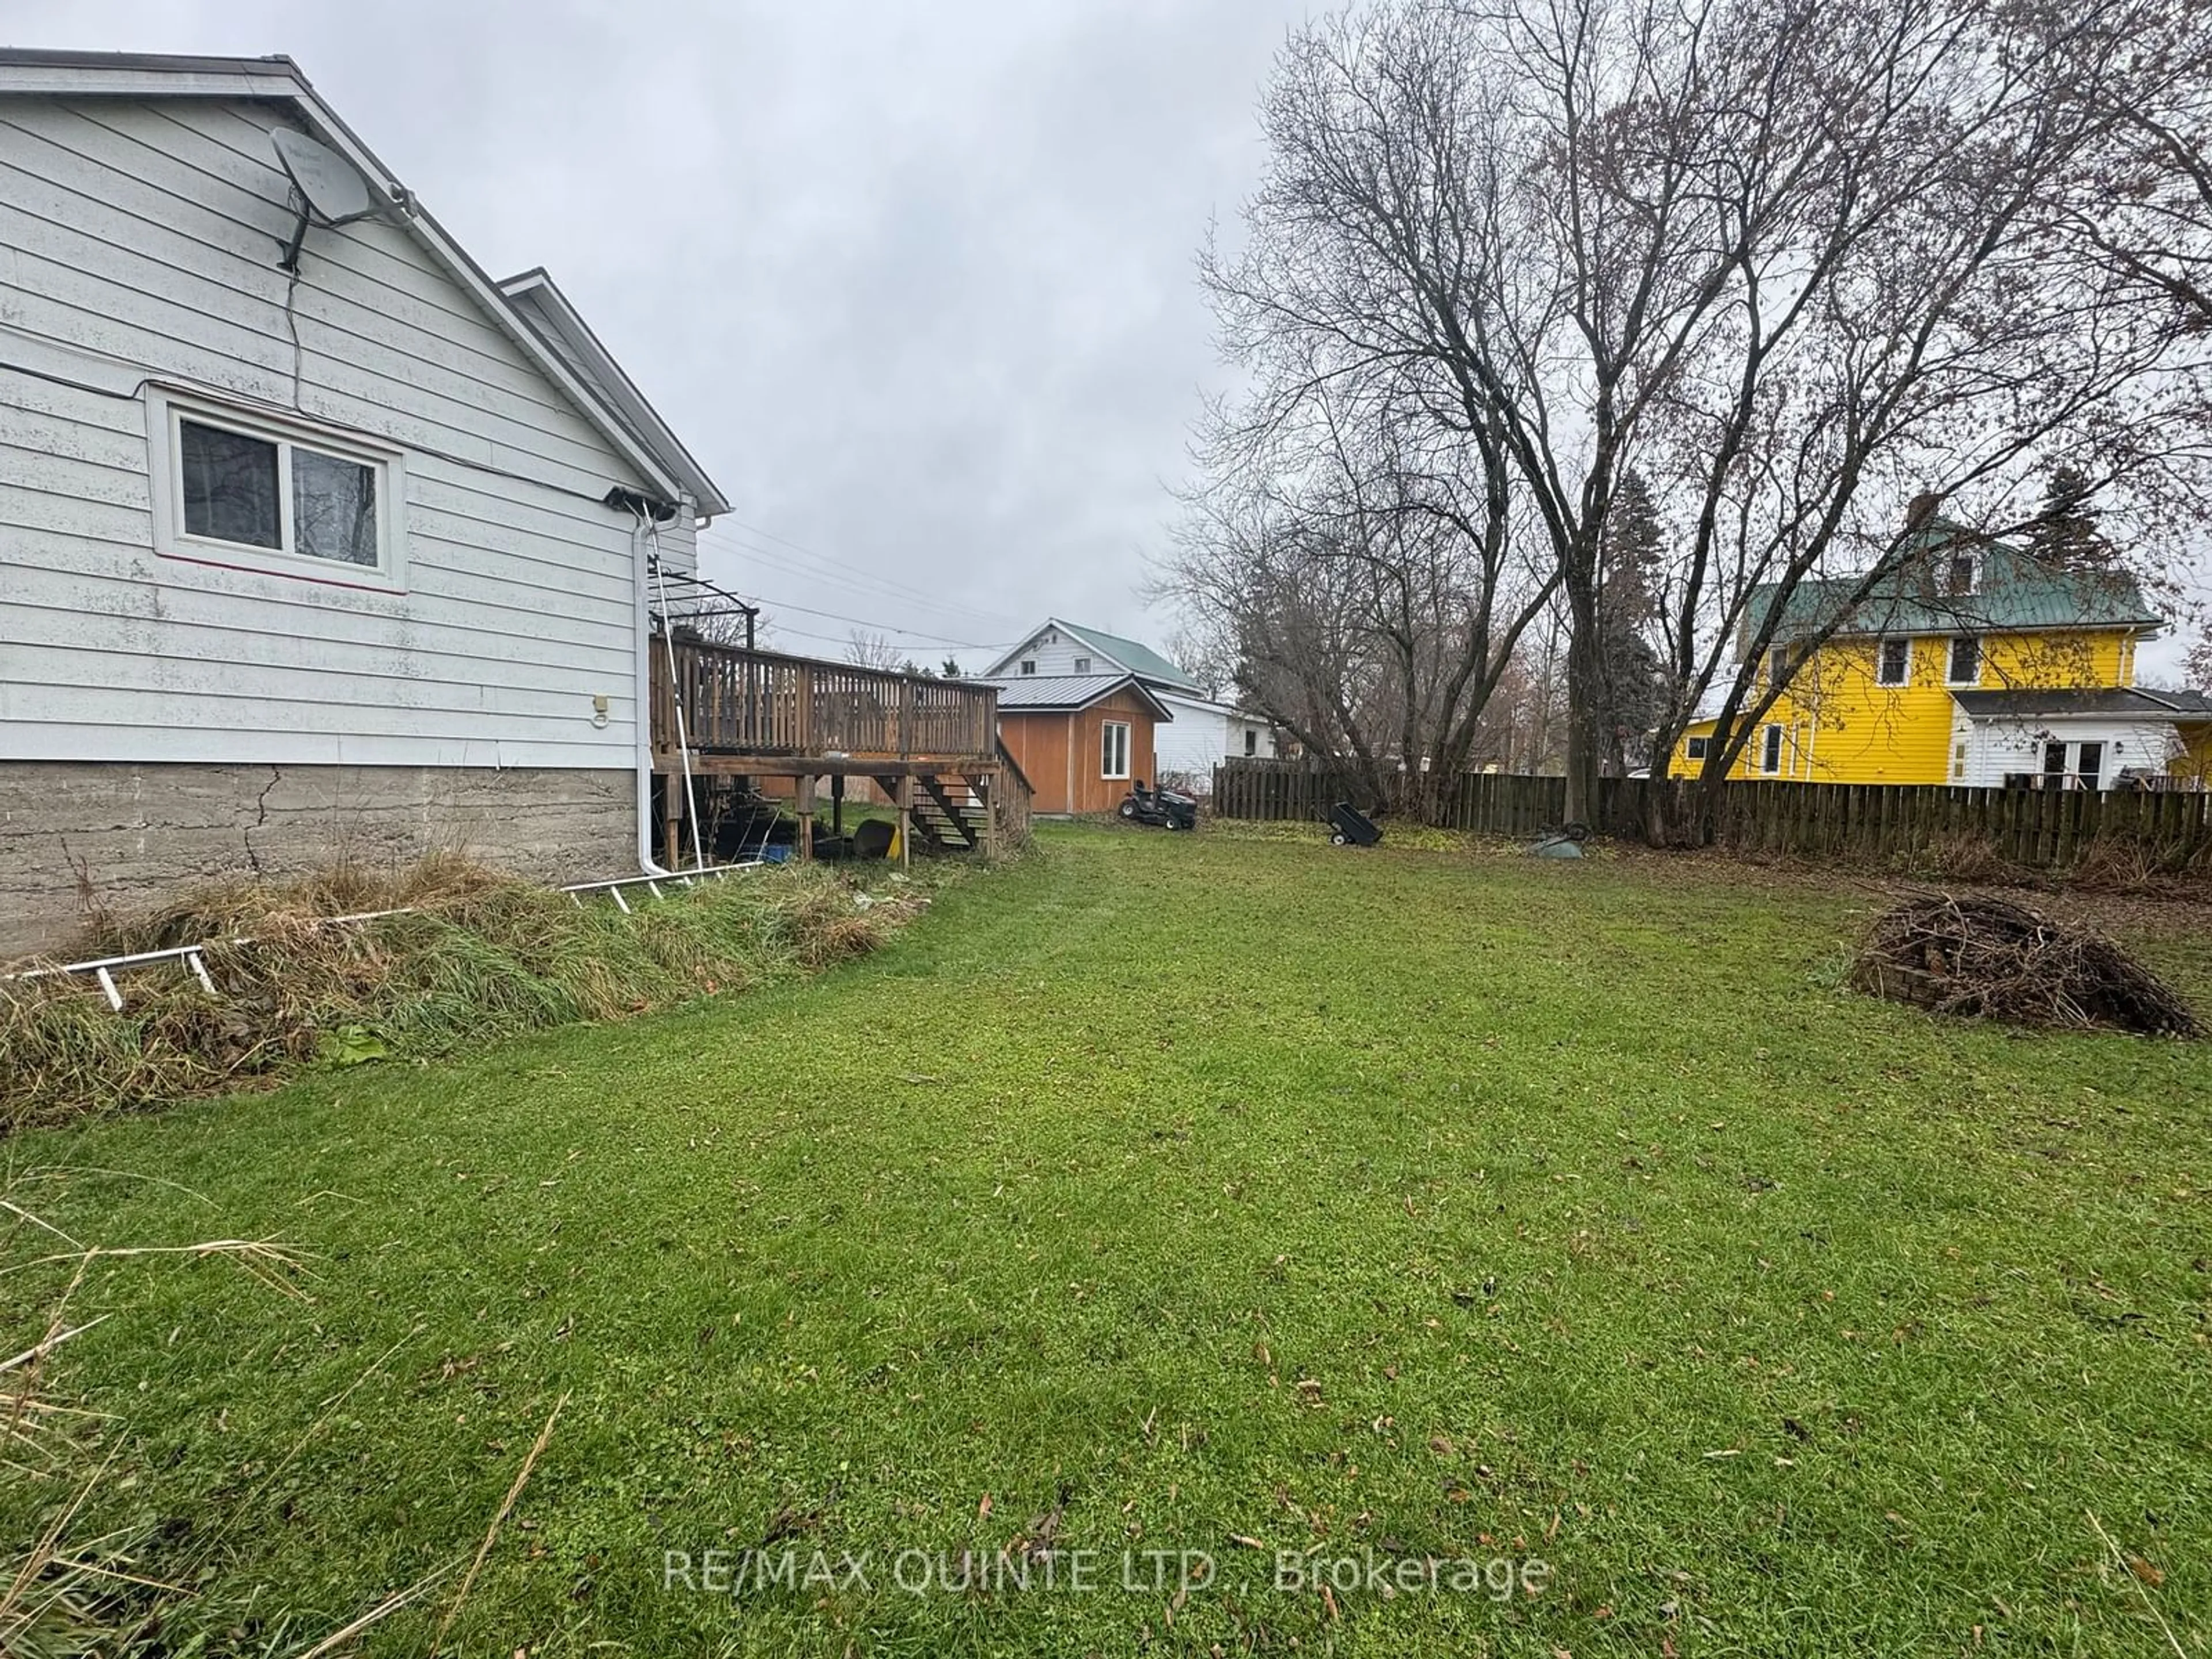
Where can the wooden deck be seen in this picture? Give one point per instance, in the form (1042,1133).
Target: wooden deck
(932,745)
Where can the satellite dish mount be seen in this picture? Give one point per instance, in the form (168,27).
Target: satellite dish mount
(331,192)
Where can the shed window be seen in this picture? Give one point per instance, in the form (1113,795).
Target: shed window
(240,490)
(1114,748)
(1694,748)
(1083,664)
(1251,741)
(1028,664)
(1770,751)
(1965,660)
(1896,665)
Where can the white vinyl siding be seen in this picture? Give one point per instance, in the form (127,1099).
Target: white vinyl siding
(1996,748)
(1202,735)
(138,244)
(1055,650)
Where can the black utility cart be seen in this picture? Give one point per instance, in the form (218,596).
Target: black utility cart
(1350,827)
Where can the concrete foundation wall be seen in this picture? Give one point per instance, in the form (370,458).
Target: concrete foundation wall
(75,835)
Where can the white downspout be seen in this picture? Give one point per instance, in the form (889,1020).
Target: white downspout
(675,703)
(643,629)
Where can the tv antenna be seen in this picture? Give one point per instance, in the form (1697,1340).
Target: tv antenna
(331,193)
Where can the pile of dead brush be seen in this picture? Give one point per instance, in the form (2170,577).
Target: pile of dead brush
(1989,959)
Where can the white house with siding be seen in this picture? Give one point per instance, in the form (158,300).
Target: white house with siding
(344,561)
(1204,731)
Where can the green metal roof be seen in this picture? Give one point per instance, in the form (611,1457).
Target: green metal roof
(1141,660)
(2013,590)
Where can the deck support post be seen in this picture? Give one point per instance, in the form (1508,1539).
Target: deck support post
(806,820)
(672,822)
(904,798)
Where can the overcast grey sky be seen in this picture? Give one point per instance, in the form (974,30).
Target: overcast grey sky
(914,283)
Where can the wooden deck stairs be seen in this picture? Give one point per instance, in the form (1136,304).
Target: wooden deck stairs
(930,745)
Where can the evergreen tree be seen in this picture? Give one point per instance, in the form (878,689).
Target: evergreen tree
(1630,665)
(2065,533)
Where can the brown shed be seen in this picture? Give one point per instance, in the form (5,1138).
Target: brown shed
(1079,739)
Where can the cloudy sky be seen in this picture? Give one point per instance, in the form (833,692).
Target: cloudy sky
(914,283)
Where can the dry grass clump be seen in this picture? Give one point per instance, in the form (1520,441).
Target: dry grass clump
(472,955)
(2120,865)
(1987,957)
(69,1590)
(1969,859)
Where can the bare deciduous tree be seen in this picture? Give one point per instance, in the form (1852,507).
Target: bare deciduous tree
(866,650)
(1367,606)
(1806,263)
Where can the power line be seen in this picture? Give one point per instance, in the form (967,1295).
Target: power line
(778,629)
(954,614)
(861,585)
(772,606)
(847,574)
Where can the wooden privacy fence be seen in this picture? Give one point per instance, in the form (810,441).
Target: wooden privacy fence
(2034,826)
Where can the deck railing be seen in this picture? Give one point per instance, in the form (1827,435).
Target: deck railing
(761,702)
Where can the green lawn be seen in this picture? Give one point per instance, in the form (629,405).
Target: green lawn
(1168,1192)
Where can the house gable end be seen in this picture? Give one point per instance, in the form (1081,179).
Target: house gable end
(223,100)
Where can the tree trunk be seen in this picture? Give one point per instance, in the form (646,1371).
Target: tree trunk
(1585,702)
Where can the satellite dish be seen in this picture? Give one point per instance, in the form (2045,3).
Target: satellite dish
(331,192)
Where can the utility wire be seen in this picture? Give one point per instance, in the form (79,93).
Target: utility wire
(770,608)
(847,574)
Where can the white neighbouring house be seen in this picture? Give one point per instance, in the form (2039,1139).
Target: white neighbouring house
(1205,731)
(346,560)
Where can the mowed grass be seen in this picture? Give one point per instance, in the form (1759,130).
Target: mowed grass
(1166,1192)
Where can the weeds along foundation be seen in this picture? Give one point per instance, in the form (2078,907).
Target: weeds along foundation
(475,955)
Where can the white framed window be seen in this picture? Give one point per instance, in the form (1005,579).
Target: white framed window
(1770,751)
(1959,575)
(1114,748)
(1893,662)
(1965,664)
(265,492)
(1694,748)
(1083,664)
(1028,664)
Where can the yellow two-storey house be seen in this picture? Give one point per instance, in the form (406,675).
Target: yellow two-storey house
(1976,664)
